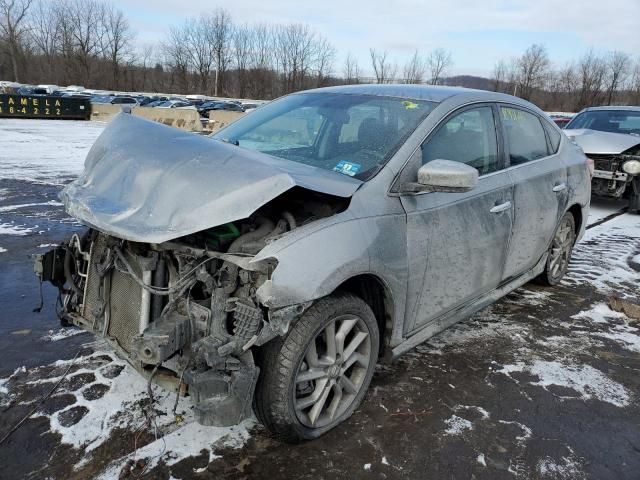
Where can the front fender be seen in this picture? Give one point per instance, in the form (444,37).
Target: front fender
(315,264)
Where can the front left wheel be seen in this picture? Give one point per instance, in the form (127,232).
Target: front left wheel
(314,378)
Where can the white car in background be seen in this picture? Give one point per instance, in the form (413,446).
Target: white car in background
(610,136)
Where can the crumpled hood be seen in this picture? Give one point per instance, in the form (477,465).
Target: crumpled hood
(596,142)
(147,182)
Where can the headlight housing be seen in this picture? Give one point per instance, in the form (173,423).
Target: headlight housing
(632,167)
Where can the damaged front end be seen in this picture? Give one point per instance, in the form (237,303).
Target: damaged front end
(184,312)
(168,272)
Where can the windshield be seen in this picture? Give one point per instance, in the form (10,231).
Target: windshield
(351,134)
(615,121)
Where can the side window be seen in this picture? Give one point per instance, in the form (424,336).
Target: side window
(525,136)
(468,137)
(554,137)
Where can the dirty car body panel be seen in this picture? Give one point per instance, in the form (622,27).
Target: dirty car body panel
(202,250)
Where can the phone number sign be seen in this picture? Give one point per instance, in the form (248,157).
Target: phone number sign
(41,106)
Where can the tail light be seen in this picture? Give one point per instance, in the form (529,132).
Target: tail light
(591,166)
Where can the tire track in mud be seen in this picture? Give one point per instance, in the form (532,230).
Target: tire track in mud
(607,261)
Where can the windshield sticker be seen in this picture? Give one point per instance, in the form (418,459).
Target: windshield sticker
(347,168)
(410,105)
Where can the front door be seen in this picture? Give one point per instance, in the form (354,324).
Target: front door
(457,242)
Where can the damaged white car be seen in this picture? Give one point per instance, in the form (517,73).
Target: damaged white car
(274,263)
(610,136)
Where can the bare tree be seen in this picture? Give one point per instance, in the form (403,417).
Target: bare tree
(44,34)
(499,75)
(199,34)
(13,27)
(533,66)
(382,67)
(295,51)
(591,73)
(414,69)
(439,61)
(261,60)
(85,18)
(177,57)
(221,31)
(351,70)
(634,85)
(618,65)
(116,39)
(325,55)
(242,44)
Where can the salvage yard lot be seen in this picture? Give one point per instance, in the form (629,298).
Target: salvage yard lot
(544,384)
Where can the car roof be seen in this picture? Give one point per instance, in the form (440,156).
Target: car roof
(613,107)
(432,93)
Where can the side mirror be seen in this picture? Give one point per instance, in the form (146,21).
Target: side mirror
(444,176)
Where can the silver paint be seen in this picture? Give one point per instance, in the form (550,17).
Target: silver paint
(438,256)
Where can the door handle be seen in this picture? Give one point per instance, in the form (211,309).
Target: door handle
(501,208)
(560,187)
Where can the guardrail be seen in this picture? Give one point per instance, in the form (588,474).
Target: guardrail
(221,118)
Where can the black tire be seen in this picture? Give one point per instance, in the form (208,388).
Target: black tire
(552,275)
(282,359)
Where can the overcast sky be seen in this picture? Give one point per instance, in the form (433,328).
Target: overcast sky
(478,33)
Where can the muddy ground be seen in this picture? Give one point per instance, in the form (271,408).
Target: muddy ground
(542,385)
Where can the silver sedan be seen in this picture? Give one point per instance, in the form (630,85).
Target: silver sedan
(279,260)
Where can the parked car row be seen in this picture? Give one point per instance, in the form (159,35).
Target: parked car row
(203,104)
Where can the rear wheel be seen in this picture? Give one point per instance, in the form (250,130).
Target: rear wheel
(559,251)
(315,377)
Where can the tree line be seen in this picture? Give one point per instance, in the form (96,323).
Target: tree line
(91,43)
(591,80)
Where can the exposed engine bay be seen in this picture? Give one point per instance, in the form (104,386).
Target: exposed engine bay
(185,312)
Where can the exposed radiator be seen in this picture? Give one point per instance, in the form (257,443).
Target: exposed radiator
(126,298)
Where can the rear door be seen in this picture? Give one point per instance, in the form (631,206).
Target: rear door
(540,187)
(457,242)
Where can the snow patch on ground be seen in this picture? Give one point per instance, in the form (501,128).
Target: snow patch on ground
(457,425)
(10,208)
(56,148)
(12,229)
(599,313)
(61,334)
(121,407)
(46,245)
(487,325)
(485,415)
(2,250)
(627,336)
(567,468)
(480,459)
(584,379)
(188,440)
(526,431)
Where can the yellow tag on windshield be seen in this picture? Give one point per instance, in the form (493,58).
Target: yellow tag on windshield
(410,105)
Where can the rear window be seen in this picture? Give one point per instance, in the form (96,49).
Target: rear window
(525,136)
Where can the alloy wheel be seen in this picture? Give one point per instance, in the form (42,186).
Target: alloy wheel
(561,247)
(332,371)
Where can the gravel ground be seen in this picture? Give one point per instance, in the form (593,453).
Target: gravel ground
(542,385)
